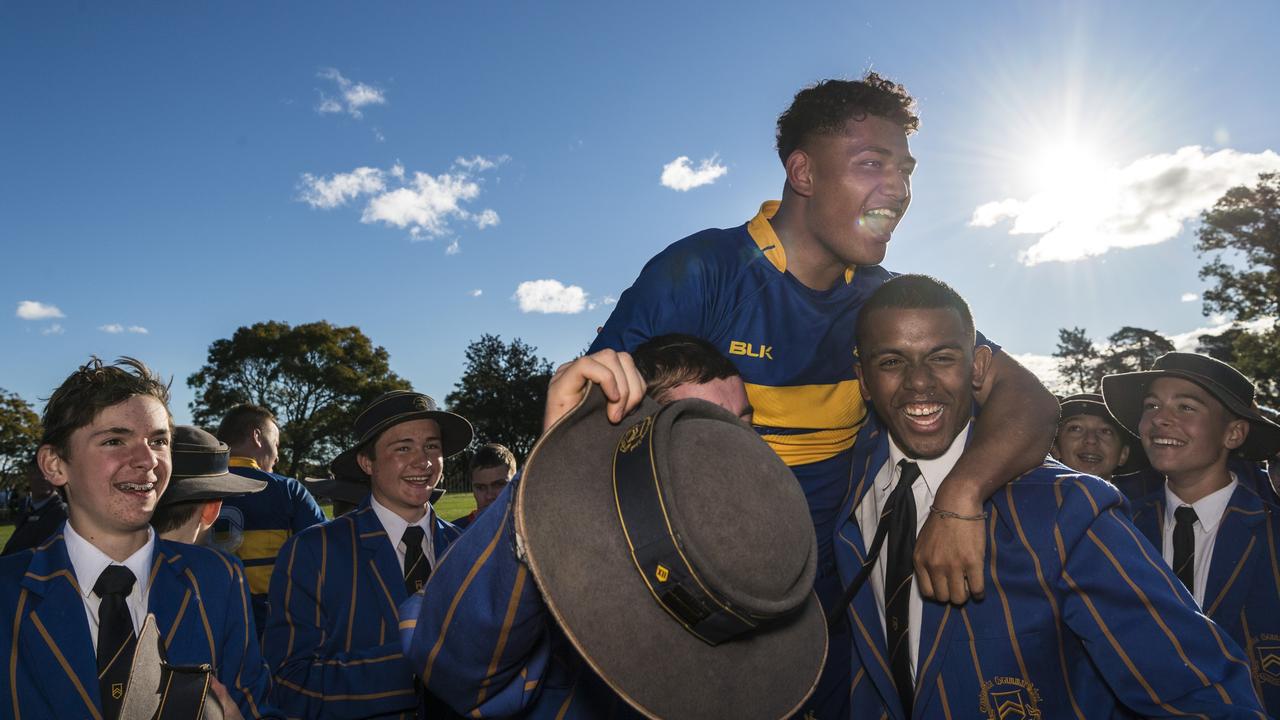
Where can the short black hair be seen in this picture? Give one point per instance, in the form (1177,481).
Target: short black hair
(827,106)
(678,359)
(92,388)
(915,292)
(491,455)
(240,421)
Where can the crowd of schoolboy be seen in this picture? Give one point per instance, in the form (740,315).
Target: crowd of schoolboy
(300,616)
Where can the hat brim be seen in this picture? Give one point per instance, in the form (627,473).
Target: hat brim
(456,432)
(209,487)
(1125,392)
(606,609)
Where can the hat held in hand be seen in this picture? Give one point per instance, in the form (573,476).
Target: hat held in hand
(686,577)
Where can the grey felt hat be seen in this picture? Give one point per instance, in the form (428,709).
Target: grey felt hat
(686,577)
(1124,393)
(200,469)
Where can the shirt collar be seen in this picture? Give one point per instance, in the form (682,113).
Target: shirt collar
(396,525)
(762,232)
(88,562)
(934,470)
(1209,509)
(242,461)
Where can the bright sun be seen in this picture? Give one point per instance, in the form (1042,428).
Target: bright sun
(1067,167)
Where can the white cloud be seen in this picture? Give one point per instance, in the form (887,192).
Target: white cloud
(453,248)
(138,330)
(550,296)
(422,203)
(34,310)
(353,95)
(319,192)
(1143,203)
(608,300)
(1044,367)
(679,174)
(113,328)
(1190,297)
(54,329)
(477,292)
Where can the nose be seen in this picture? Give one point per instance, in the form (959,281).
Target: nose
(919,377)
(145,456)
(897,185)
(1090,438)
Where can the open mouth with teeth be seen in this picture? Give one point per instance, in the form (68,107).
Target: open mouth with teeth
(880,221)
(418,480)
(136,488)
(1089,458)
(1164,442)
(924,417)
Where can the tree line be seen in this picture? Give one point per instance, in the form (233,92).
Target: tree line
(317,376)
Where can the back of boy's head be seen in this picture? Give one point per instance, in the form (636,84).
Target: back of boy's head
(827,106)
(92,388)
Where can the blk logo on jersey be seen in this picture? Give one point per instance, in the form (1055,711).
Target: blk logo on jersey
(737,347)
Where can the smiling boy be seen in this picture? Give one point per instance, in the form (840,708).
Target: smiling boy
(86,591)
(1195,415)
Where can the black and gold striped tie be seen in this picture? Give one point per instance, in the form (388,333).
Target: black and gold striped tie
(116,638)
(416,567)
(900,513)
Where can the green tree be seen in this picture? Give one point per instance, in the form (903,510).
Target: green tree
(1131,349)
(315,377)
(19,437)
(502,392)
(1221,346)
(1078,361)
(1241,236)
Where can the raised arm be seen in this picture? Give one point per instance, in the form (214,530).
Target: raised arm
(1011,435)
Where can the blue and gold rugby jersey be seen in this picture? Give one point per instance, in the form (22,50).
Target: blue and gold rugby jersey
(793,345)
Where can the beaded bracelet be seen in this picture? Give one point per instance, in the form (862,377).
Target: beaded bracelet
(956,516)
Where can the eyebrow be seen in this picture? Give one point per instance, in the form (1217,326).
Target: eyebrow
(409,439)
(875,353)
(882,150)
(128,431)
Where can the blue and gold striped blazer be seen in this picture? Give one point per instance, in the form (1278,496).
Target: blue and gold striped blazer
(484,642)
(201,603)
(331,639)
(1082,619)
(1243,591)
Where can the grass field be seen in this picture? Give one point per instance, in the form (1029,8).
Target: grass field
(452,506)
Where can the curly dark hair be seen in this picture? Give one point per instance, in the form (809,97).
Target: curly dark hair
(94,387)
(826,106)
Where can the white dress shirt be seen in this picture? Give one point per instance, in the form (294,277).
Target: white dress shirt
(88,562)
(395,527)
(932,473)
(1209,510)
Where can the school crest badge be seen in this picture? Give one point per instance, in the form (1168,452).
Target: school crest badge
(631,439)
(1266,658)
(1008,698)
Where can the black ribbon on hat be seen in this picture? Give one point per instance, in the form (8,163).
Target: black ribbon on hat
(670,575)
(203,462)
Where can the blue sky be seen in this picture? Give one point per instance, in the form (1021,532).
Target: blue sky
(409,167)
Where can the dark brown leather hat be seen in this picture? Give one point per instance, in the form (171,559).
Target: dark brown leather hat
(686,577)
(399,406)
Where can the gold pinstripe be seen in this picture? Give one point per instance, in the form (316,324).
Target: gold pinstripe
(324,563)
(362,661)
(351,611)
(1249,650)
(462,589)
(937,638)
(288,599)
(395,610)
(337,698)
(13,653)
(942,694)
(204,617)
(507,621)
(1271,545)
(238,579)
(573,691)
(862,672)
(1004,599)
(1158,564)
(1240,564)
(177,620)
(1146,603)
(866,636)
(71,578)
(1048,594)
(66,667)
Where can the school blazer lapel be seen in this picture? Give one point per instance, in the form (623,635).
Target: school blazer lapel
(1148,517)
(871,451)
(54,624)
(378,569)
(1236,550)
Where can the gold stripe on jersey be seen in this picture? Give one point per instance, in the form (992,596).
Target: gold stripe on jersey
(767,240)
(835,412)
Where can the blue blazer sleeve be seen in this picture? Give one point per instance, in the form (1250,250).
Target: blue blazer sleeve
(306,511)
(242,668)
(1140,626)
(313,677)
(479,635)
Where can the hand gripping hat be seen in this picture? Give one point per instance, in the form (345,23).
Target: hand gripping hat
(685,579)
(200,469)
(392,408)
(1125,392)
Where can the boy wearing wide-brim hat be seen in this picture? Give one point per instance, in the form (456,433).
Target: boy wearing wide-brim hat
(1195,414)
(1089,440)
(682,588)
(199,483)
(331,637)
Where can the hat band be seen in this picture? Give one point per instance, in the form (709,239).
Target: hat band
(202,464)
(670,576)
